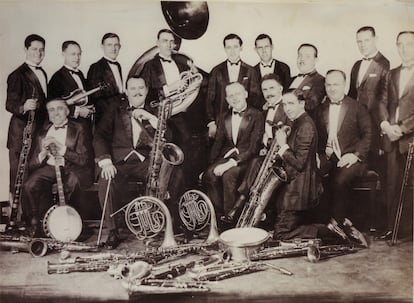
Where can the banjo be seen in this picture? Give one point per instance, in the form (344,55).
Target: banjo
(61,222)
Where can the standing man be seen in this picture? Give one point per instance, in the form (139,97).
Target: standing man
(237,142)
(70,78)
(229,71)
(160,74)
(273,114)
(123,143)
(268,65)
(26,92)
(397,123)
(109,71)
(74,148)
(309,80)
(368,86)
(344,129)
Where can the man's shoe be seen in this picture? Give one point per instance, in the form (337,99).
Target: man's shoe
(385,236)
(354,234)
(334,227)
(229,218)
(113,240)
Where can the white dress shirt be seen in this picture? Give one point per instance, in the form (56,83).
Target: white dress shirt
(234,70)
(116,73)
(171,71)
(297,82)
(40,76)
(332,145)
(267,68)
(363,67)
(406,74)
(268,134)
(60,135)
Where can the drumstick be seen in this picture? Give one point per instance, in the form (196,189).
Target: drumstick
(103,212)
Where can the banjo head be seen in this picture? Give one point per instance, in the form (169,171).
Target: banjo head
(62,223)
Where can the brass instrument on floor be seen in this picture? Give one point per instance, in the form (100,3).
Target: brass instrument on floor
(196,211)
(38,247)
(404,184)
(316,253)
(158,286)
(229,270)
(269,178)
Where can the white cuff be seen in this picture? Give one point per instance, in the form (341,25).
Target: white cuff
(153,121)
(234,162)
(211,123)
(384,124)
(282,149)
(104,162)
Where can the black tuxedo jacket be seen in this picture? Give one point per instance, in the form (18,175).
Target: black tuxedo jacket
(101,72)
(282,70)
(219,78)
(313,88)
(79,152)
(23,84)
(154,76)
(299,160)
(354,128)
(388,107)
(248,140)
(371,91)
(62,83)
(113,135)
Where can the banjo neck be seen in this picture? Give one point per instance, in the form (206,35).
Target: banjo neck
(59,182)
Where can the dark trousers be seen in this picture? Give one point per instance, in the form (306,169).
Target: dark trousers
(339,185)
(395,172)
(222,190)
(250,176)
(292,224)
(38,189)
(134,170)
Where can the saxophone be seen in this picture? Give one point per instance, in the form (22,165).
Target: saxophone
(269,178)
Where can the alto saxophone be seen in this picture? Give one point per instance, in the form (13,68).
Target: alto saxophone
(269,178)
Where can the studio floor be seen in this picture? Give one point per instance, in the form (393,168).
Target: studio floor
(378,274)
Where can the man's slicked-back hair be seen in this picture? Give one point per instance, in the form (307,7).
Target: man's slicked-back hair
(232,36)
(164,30)
(33,37)
(403,33)
(69,42)
(336,71)
(109,35)
(367,29)
(261,37)
(309,45)
(271,76)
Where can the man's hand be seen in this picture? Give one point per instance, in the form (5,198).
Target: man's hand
(142,114)
(85,111)
(30,104)
(281,137)
(347,160)
(220,169)
(212,129)
(393,132)
(108,171)
(263,152)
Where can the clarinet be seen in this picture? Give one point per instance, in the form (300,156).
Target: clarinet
(27,143)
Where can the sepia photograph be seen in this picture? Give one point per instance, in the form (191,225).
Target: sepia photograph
(206,151)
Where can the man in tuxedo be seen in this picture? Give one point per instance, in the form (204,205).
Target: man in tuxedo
(309,80)
(109,71)
(272,91)
(122,143)
(237,142)
(26,93)
(368,84)
(268,65)
(231,70)
(344,129)
(73,145)
(70,78)
(396,112)
(161,73)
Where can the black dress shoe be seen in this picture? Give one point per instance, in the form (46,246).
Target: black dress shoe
(354,234)
(385,236)
(113,240)
(226,219)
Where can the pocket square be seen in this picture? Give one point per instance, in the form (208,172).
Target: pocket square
(372,75)
(245,78)
(306,87)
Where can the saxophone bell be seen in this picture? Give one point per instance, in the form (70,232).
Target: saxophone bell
(38,247)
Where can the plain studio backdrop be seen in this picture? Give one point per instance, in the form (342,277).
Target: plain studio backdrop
(330,25)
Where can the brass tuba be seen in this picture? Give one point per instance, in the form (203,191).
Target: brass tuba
(269,178)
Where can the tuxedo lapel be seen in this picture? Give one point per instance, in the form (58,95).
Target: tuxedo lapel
(69,79)
(242,72)
(159,71)
(38,90)
(126,120)
(227,125)
(243,125)
(70,134)
(409,86)
(342,113)
(307,81)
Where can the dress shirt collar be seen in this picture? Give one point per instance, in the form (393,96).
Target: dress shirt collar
(63,124)
(31,64)
(271,64)
(110,60)
(371,57)
(71,68)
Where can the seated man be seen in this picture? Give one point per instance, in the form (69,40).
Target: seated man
(344,129)
(123,142)
(238,139)
(73,144)
(273,113)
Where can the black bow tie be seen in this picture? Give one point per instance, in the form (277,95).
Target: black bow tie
(269,65)
(335,102)
(61,126)
(303,75)
(38,67)
(367,59)
(113,62)
(233,63)
(132,108)
(240,114)
(165,60)
(76,72)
